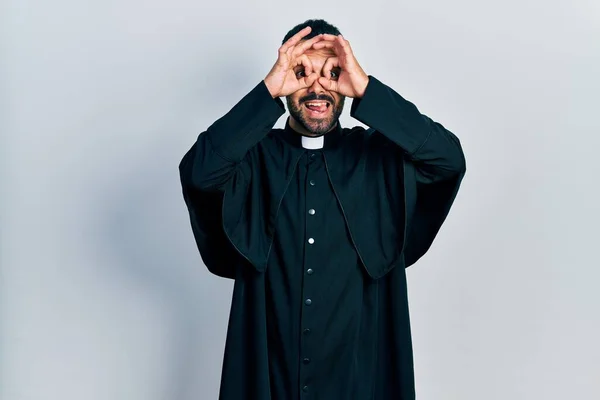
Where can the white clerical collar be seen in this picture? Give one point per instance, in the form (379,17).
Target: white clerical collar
(313,143)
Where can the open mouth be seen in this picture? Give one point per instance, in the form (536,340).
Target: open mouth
(317,108)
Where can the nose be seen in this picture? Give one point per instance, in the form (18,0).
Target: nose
(316,87)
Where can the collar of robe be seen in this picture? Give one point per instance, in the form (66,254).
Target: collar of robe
(313,143)
(331,139)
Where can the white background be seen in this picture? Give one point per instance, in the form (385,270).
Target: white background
(102,292)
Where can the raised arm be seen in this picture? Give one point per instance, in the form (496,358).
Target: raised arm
(213,159)
(435,151)
(435,162)
(216,156)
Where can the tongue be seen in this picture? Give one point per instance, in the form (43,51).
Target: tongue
(318,108)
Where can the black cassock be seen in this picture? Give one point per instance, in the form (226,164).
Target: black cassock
(318,242)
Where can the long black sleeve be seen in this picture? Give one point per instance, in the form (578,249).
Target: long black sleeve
(434,150)
(213,159)
(434,154)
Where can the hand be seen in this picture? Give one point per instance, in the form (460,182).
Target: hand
(352,80)
(282,80)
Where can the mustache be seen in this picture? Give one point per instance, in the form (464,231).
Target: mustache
(313,97)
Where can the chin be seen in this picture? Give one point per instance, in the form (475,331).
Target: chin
(314,123)
(319,125)
(318,129)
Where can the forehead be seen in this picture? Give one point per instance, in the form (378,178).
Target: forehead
(319,55)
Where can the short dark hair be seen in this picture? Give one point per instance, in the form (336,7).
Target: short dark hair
(318,26)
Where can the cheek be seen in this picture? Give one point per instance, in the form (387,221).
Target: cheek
(338,100)
(293,101)
(296,99)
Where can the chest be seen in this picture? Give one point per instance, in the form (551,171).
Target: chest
(310,214)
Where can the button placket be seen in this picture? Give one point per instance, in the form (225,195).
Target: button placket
(312,241)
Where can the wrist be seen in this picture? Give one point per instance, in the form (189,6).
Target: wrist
(270,88)
(363,87)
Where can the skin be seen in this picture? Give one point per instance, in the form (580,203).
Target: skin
(322,68)
(300,120)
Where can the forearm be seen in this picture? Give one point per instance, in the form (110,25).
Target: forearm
(436,152)
(248,122)
(212,160)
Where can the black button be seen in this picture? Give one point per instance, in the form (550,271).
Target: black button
(306,361)
(306,331)
(312,182)
(310,271)
(308,302)
(305,389)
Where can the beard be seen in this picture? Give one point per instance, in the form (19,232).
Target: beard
(316,126)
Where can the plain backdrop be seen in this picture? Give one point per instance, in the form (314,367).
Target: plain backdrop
(103,294)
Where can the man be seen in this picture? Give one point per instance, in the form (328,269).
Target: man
(316,223)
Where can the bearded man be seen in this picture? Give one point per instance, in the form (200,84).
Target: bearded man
(316,224)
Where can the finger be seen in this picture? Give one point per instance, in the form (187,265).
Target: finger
(328,36)
(305,61)
(335,45)
(291,42)
(337,39)
(306,44)
(344,44)
(310,79)
(328,84)
(341,48)
(323,44)
(329,64)
(288,54)
(301,47)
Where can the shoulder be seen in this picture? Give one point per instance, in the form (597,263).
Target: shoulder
(369,138)
(367,133)
(357,134)
(275,135)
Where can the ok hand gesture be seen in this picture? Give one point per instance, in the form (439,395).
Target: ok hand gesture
(352,80)
(282,80)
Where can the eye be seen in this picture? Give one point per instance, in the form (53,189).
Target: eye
(335,74)
(300,73)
